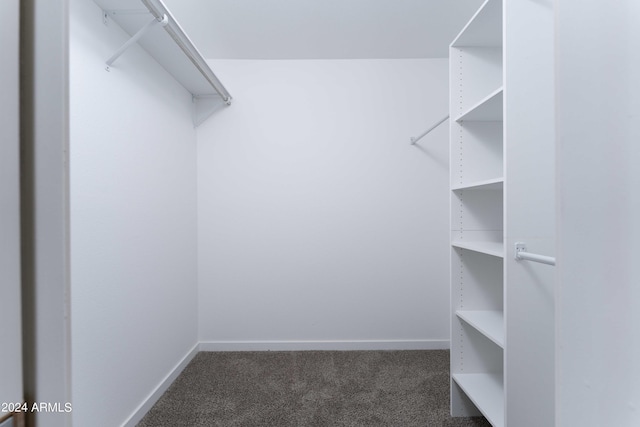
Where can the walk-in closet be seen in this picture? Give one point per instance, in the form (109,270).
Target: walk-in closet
(360,212)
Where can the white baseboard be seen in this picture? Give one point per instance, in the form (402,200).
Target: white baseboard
(324,345)
(148,403)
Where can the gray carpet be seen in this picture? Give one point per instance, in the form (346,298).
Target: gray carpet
(311,388)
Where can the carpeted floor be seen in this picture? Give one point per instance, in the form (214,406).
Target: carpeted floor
(311,388)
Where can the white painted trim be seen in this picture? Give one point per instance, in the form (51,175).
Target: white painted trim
(148,403)
(324,345)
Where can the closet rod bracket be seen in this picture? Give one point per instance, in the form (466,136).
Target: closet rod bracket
(135,38)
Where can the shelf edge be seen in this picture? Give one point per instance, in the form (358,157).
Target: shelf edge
(479,105)
(477,185)
(466,316)
(480,247)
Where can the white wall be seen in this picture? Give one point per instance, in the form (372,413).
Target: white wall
(133,223)
(598,293)
(10,312)
(318,222)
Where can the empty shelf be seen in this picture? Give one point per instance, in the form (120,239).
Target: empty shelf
(488,322)
(487,184)
(489,248)
(486,391)
(488,109)
(484,28)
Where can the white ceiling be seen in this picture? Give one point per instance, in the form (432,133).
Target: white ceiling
(322,29)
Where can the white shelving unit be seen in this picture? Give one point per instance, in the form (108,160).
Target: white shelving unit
(502,310)
(477,217)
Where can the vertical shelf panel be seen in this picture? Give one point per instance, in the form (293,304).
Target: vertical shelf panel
(529,130)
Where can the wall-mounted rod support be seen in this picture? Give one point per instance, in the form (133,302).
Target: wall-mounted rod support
(523,255)
(415,139)
(162,21)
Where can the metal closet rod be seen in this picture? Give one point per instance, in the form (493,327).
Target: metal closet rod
(158,10)
(522,254)
(415,139)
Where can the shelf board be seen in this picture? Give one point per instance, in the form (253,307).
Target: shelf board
(486,391)
(489,323)
(484,28)
(489,248)
(488,109)
(131,16)
(487,184)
